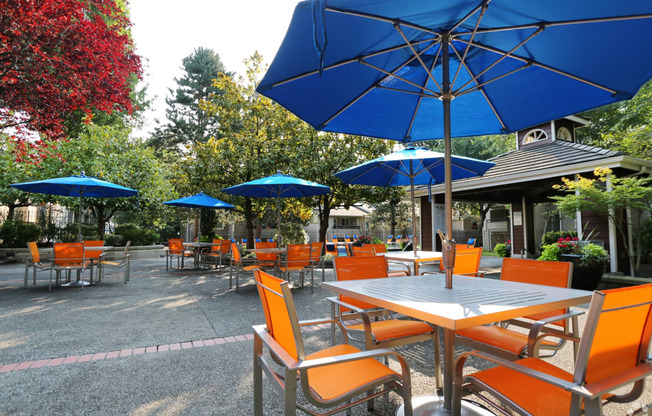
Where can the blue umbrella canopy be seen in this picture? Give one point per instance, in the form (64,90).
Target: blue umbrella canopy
(200,200)
(78,186)
(384,68)
(278,186)
(412,166)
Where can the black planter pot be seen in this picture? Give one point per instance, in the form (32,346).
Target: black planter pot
(586,277)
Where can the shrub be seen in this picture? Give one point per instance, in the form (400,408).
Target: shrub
(138,236)
(293,233)
(502,250)
(552,237)
(646,240)
(18,233)
(591,255)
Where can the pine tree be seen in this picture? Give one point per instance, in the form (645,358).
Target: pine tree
(187,124)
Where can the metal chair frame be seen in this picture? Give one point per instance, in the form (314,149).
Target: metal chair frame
(294,366)
(35,263)
(123,263)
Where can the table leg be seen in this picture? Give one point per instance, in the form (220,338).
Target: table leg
(438,405)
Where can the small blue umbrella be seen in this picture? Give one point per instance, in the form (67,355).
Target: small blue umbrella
(409,167)
(77,185)
(278,186)
(200,200)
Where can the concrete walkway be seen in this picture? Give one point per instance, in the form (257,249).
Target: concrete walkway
(176,343)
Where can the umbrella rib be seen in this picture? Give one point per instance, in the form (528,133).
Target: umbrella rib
(368,90)
(483,8)
(392,74)
(459,93)
(543,66)
(348,61)
(423,65)
(418,105)
(491,105)
(383,19)
(562,23)
(503,57)
(420,94)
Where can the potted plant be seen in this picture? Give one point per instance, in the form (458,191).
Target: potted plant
(503,249)
(589,260)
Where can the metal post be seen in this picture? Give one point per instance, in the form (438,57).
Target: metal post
(414,217)
(448,170)
(79,234)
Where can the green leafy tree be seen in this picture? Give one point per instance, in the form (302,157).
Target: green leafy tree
(187,122)
(394,212)
(623,126)
(611,197)
(477,147)
(108,153)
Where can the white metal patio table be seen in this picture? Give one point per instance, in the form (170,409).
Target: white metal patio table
(409,257)
(196,248)
(471,302)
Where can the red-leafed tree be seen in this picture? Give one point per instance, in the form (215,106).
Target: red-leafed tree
(63,59)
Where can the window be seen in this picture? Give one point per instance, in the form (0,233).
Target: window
(535,135)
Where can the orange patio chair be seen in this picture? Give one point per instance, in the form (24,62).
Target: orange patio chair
(35,262)
(213,254)
(467,262)
(381,248)
(297,260)
(390,239)
(225,251)
(613,354)
(546,331)
(115,263)
(332,249)
(236,263)
(363,251)
(347,239)
(177,251)
(379,329)
(334,239)
(267,260)
(93,256)
(68,257)
(336,378)
(316,259)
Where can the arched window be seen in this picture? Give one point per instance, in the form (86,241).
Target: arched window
(535,135)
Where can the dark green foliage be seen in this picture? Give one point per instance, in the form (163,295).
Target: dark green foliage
(131,232)
(187,123)
(18,233)
(554,236)
(479,147)
(208,223)
(502,250)
(646,240)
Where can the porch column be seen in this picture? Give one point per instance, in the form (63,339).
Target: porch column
(613,241)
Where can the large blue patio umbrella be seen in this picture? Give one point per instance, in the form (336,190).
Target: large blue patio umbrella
(411,70)
(278,186)
(200,200)
(409,167)
(77,185)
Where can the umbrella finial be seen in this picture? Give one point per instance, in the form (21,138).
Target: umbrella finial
(83,173)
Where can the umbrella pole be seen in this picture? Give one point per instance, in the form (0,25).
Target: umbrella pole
(278,212)
(414,217)
(79,234)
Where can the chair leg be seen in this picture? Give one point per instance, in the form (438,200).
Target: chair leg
(258,377)
(290,396)
(237,280)
(231,275)
(312,281)
(127,270)
(26,272)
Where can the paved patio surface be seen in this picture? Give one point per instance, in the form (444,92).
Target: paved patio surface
(176,343)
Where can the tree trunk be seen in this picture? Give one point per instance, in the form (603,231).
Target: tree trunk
(101,221)
(249,222)
(324,217)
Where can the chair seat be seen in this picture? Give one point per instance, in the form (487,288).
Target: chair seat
(211,254)
(250,268)
(512,341)
(291,268)
(396,273)
(111,263)
(331,381)
(537,397)
(395,328)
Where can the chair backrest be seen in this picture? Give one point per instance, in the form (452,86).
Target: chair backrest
(33,251)
(280,313)
(235,253)
(470,243)
(378,248)
(175,245)
(93,254)
(244,241)
(355,237)
(226,246)
(315,250)
(363,251)
(619,326)
(334,238)
(331,249)
(266,256)
(357,268)
(389,239)
(298,255)
(548,273)
(127,248)
(257,240)
(217,244)
(68,254)
(346,238)
(466,261)
(398,237)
